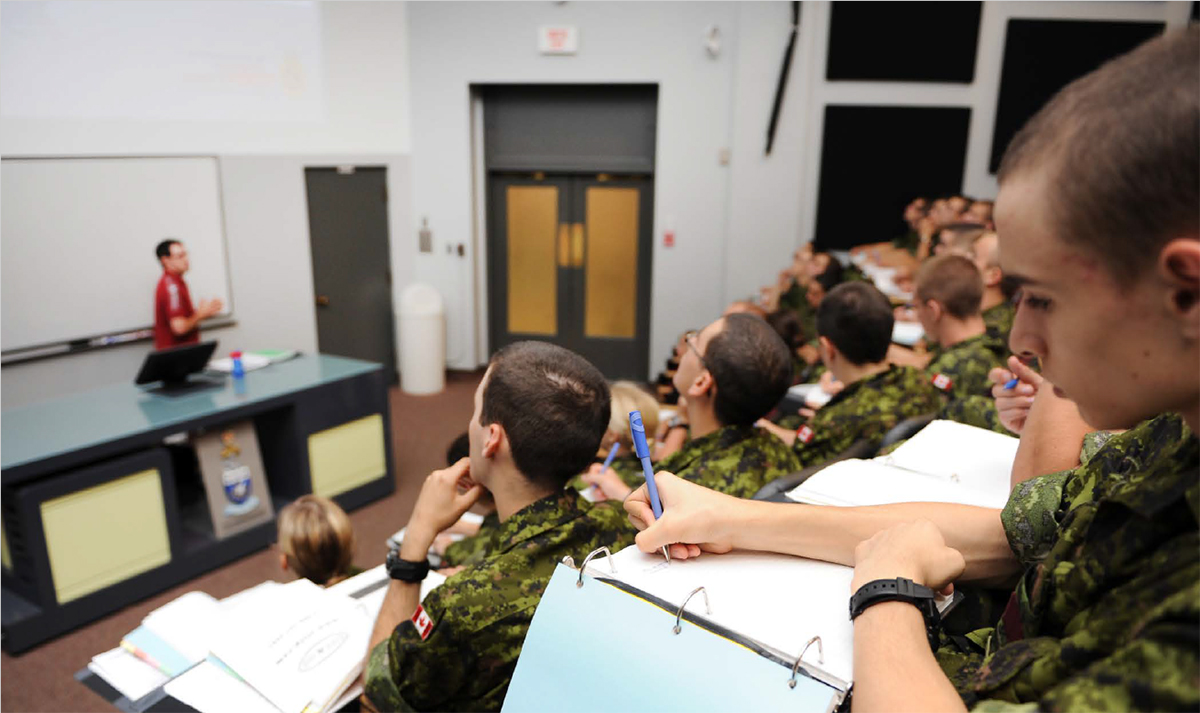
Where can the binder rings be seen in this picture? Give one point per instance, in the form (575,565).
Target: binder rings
(640,653)
(739,631)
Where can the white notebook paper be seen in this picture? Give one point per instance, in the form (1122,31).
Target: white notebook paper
(778,600)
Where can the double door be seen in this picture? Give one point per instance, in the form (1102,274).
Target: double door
(569,263)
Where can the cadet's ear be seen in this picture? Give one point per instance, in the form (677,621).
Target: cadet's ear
(992,276)
(283,564)
(935,309)
(702,384)
(827,349)
(491,442)
(1179,266)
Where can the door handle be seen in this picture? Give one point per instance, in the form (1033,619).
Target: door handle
(577,242)
(323,300)
(564,256)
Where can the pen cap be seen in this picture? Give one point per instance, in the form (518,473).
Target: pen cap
(638,431)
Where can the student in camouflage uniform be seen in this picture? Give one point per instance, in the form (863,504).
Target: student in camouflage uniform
(734,372)
(855,326)
(949,290)
(1106,555)
(457,649)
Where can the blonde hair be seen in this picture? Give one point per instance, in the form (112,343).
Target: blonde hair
(316,537)
(628,396)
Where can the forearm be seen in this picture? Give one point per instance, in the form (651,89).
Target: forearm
(895,670)
(672,442)
(831,533)
(402,598)
(1051,438)
(399,603)
(182,325)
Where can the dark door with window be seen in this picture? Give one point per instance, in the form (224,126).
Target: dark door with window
(570,215)
(352,277)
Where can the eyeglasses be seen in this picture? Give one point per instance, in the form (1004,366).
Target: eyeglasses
(690,339)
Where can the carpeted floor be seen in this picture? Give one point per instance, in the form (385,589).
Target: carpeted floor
(42,679)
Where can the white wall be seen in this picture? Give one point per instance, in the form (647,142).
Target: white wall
(262,160)
(455,45)
(361,90)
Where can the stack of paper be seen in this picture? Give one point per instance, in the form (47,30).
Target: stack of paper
(945,462)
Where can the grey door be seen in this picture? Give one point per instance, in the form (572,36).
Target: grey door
(569,263)
(352,280)
(570,206)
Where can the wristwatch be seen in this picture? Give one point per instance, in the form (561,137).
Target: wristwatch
(404,570)
(899,590)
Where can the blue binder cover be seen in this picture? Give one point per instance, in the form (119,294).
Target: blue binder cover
(582,640)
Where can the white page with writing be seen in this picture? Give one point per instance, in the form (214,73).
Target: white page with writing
(869,482)
(298,647)
(973,456)
(777,600)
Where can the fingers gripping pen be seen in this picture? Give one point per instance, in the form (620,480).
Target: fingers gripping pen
(638,431)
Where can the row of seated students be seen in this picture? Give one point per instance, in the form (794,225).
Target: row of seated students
(1095,560)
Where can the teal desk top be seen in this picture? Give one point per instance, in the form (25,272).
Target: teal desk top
(108,413)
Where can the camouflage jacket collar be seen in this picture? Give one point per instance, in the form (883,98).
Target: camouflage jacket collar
(1149,491)
(988,340)
(539,516)
(893,375)
(720,439)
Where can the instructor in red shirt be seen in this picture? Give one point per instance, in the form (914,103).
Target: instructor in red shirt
(175,321)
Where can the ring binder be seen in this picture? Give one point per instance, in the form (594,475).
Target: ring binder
(593,553)
(707,607)
(820,658)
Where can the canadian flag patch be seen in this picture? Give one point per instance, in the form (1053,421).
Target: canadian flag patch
(805,434)
(422,621)
(943,382)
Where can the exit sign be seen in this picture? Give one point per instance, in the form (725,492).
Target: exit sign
(558,40)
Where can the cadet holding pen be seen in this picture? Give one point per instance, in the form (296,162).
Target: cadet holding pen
(612,453)
(638,431)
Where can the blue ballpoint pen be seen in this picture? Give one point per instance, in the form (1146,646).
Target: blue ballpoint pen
(612,453)
(638,431)
(1011,384)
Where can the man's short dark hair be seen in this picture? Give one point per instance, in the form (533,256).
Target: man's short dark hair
(460,448)
(163,249)
(553,405)
(858,319)
(752,367)
(952,281)
(1118,149)
(789,327)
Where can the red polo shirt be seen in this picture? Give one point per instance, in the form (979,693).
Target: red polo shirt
(172,299)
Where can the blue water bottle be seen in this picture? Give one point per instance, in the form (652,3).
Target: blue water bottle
(239,373)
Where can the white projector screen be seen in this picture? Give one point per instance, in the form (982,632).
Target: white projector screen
(77,240)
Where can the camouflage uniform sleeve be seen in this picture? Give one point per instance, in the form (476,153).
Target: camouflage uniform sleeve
(823,439)
(975,410)
(1156,670)
(407,673)
(1030,517)
(1092,443)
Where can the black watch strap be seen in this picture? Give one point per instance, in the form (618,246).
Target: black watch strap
(900,590)
(404,570)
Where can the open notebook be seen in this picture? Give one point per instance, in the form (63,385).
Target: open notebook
(945,462)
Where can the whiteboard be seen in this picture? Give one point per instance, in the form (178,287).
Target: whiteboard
(77,240)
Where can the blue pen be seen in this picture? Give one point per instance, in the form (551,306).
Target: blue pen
(1012,384)
(612,453)
(638,431)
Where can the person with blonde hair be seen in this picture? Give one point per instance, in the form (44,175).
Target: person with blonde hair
(316,540)
(625,473)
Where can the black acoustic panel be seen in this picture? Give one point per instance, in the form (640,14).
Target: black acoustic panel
(875,159)
(1043,56)
(903,41)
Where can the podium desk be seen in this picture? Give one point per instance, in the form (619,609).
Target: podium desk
(93,519)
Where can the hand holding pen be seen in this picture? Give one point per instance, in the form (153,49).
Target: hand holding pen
(640,447)
(1014,389)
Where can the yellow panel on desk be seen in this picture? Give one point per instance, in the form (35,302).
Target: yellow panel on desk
(347,456)
(105,534)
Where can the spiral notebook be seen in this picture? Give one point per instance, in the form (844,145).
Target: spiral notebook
(740,631)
